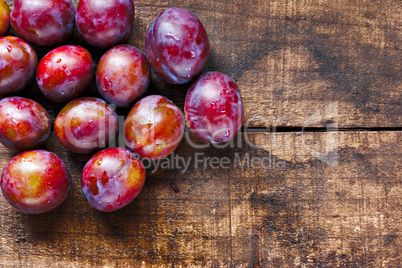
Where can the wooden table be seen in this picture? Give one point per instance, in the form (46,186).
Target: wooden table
(313,179)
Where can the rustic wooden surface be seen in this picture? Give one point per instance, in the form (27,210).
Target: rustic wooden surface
(293,59)
(342,210)
(327,196)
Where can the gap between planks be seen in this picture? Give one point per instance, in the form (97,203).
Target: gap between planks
(316,129)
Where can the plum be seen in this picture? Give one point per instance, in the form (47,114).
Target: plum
(18,62)
(214,108)
(4,17)
(65,73)
(85,125)
(112,178)
(44,22)
(122,75)
(24,124)
(154,127)
(105,23)
(177,46)
(35,181)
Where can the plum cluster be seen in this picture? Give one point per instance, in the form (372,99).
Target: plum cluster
(176,49)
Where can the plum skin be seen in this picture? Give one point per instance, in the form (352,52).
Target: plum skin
(65,73)
(44,22)
(18,61)
(35,181)
(154,127)
(85,125)
(112,178)
(213,108)
(24,124)
(105,23)
(177,46)
(122,75)
(4,17)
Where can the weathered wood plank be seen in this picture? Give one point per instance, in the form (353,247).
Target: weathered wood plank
(271,199)
(298,63)
(342,210)
(287,205)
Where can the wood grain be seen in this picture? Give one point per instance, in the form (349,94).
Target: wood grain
(341,208)
(293,60)
(326,199)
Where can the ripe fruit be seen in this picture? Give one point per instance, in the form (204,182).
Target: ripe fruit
(65,73)
(35,181)
(123,75)
(214,108)
(24,124)
(154,127)
(44,22)
(112,178)
(86,124)
(18,61)
(4,17)
(105,23)
(177,46)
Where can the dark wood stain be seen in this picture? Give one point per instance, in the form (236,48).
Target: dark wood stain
(290,59)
